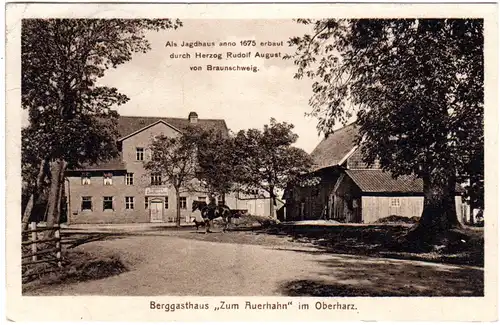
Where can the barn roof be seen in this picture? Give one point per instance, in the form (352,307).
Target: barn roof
(333,148)
(130,124)
(378,181)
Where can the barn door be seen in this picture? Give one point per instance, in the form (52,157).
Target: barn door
(356,210)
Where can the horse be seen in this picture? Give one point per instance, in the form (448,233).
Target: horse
(225,212)
(202,206)
(211,212)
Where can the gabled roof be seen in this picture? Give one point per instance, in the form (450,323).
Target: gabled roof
(334,148)
(147,127)
(131,124)
(378,181)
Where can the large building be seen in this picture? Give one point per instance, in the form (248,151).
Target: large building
(351,191)
(122,191)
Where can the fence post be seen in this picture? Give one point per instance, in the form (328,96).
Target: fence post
(34,237)
(58,247)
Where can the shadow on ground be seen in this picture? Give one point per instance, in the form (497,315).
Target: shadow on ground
(343,276)
(381,241)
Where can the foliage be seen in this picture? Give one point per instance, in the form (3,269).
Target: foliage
(216,159)
(174,158)
(268,161)
(62,60)
(71,121)
(251,161)
(417,86)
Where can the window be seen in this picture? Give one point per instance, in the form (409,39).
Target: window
(85,178)
(86,203)
(202,198)
(183,202)
(108,178)
(146,203)
(395,203)
(166,202)
(107,203)
(129,179)
(155,179)
(139,154)
(129,202)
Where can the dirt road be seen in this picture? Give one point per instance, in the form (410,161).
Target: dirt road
(171,265)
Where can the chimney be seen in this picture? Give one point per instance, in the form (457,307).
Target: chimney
(193,118)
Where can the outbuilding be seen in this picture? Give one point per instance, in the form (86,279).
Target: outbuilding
(351,191)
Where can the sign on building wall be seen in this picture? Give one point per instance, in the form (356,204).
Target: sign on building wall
(160,191)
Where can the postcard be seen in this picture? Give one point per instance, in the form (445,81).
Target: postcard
(251,162)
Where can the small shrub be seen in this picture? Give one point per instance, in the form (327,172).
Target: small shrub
(249,220)
(398,219)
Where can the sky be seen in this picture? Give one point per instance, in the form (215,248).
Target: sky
(159,85)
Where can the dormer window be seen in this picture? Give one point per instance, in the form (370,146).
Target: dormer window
(108,178)
(193,118)
(85,178)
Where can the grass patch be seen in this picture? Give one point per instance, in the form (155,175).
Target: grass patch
(78,266)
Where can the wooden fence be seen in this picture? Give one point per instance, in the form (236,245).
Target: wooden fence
(36,249)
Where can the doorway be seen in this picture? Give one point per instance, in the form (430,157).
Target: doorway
(156,210)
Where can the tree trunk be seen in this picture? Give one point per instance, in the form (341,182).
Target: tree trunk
(439,214)
(27,211)
(60,194)
(34,195)
(57,169)
(272,202)
(471,201)
(178,207)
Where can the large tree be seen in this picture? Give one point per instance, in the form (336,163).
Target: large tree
(70,113)
(174,160)
(267,160)
(217,161)
(417,86)
(51,144)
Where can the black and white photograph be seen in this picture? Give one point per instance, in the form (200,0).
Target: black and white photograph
(311,161)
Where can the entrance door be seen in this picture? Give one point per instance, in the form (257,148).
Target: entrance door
(156,211)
